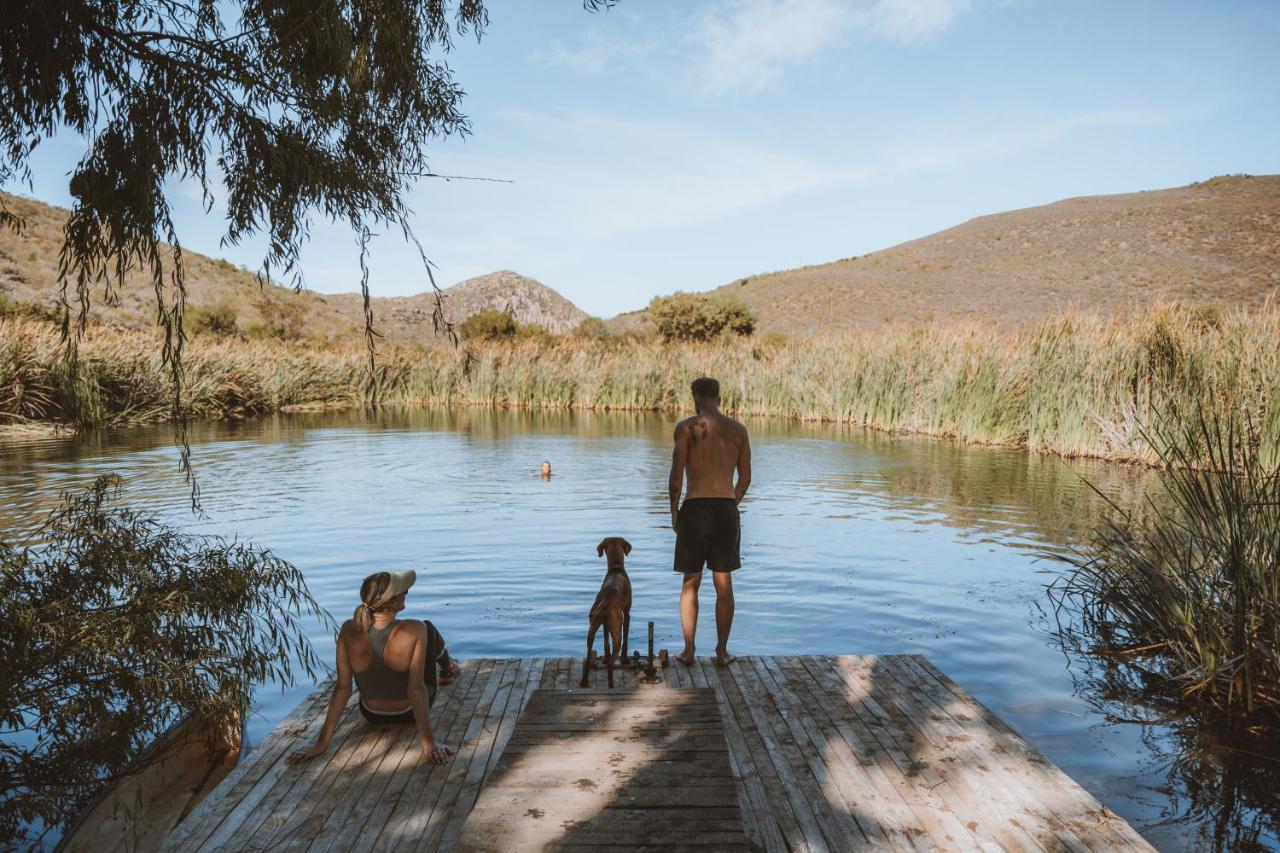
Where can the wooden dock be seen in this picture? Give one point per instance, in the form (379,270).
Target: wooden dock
(824,753)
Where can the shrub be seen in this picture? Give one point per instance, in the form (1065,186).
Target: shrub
(116,626)
(29,310)
(220,320)
(532,331)
(280,320)
(591,327)
(695,317)
(488,325)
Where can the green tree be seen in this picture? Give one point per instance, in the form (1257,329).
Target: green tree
(696,317)
(116,626)
(489,325)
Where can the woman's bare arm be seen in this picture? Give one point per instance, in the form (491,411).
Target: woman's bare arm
(337,702)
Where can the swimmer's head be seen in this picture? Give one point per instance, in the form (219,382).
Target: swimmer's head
(546,467)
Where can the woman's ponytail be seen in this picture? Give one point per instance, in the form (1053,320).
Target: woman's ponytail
(370,591)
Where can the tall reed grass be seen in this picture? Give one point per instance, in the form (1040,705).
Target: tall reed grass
(1186,601)
(1072,386)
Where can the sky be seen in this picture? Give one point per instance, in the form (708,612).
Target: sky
(667,145)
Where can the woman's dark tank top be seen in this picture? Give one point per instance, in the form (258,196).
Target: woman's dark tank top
(379,681)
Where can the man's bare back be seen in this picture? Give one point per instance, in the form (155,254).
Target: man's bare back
(714,447)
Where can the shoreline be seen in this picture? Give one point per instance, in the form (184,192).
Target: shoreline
(1072,387)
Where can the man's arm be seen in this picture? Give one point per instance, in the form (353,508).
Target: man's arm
(744,469)
(679,460)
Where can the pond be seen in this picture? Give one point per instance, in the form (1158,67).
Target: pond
(853,542)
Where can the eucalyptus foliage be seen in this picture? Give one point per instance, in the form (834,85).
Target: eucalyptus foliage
(116,626)
(295,107)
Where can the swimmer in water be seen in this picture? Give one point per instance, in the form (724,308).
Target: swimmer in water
(546,469)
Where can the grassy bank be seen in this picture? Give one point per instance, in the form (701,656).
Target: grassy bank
(1072,386)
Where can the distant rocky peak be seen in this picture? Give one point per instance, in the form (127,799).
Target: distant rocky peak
(530,301)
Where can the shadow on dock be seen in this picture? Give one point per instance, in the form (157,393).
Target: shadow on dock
(823,753)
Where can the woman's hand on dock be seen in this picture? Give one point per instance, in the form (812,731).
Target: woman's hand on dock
(437,753)
(313,751)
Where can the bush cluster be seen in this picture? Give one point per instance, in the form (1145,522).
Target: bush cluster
(28,310)
(591,327)
(695,317)
(220,321)
(489,325)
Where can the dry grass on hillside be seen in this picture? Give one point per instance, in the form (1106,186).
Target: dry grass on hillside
(29,274)
(1216,241)
(29,270)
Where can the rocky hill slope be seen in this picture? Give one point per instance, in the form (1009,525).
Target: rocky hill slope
(408,318)
(1213,241)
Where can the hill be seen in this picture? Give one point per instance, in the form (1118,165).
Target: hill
(408,318)
(29,269)
(1213,241)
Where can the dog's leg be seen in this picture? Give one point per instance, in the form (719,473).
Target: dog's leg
(608,654)
(586,662)
(626,634)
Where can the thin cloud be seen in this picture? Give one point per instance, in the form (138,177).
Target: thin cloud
(748,45)
(912,21)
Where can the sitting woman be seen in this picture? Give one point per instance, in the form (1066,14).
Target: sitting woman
(394,663)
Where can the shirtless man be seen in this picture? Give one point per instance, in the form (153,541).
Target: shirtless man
(709,448)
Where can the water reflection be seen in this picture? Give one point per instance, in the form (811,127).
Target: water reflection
(854,542)
(1217,785)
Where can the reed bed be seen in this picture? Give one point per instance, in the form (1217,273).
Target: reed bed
(1185,601)
(1072,386)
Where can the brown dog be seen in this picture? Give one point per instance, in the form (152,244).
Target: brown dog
(612,607)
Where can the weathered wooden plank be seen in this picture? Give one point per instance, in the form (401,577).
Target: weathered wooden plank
(205,819)
(760,826)
(858,779)
(281,815)
(362,826)
(797,821)
(931,804)
(637,769)
(810,806)
(854,809)
(277,782)
(422,790)
(1076,817)
(876,692)
(537,800)
(506,721)
(995,814)
(465,776)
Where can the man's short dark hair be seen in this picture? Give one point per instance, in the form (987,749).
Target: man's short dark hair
(706,387)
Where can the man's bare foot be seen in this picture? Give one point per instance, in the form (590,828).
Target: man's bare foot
(723,658)
(686,658)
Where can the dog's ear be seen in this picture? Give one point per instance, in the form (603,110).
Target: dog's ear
(626,546)
(600,548)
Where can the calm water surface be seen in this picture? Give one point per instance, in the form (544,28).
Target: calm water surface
(853,543)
